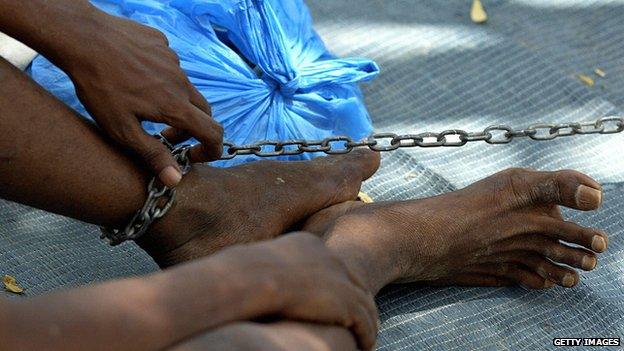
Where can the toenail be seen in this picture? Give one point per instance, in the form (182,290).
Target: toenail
(598,243)
(589,263)
(588,197)
(568,280)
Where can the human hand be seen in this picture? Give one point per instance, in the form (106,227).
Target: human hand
(294,277)
(306,282)
(125,73)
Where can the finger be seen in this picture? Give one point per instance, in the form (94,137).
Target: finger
(338,302)
(206,152)
(365,331)
(369,305)
(152,152)
(203,128)
(175,136)
(197,99)
(362,308)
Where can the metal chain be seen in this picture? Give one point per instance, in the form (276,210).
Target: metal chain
(159,200)
(496,134)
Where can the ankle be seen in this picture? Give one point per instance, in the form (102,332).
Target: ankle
(168,239)
(373,262)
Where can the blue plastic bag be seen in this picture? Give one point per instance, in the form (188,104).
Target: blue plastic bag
(260,64)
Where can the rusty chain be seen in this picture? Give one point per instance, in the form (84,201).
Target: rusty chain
(496,134)
(159,200)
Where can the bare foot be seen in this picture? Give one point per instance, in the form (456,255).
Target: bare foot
(219,207)
(505,229)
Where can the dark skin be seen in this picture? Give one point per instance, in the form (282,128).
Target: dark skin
(280,336)
(62,164)
(293,278)
(124,73)
(517,235)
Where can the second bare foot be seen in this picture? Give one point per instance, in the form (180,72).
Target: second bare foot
(505,229)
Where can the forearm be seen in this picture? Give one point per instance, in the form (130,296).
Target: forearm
(50,27)
(52,159)
(148,313)
(279,336)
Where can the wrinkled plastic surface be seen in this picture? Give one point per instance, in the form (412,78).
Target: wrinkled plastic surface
(287,86)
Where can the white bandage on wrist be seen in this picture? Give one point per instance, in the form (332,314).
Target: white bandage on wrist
(15,52)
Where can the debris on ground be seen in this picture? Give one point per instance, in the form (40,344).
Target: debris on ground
(587,80)
(362,196)
(477,12)
(10,284)
(600,73)
(410,176)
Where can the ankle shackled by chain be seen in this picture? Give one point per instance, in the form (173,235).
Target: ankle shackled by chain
(160,199)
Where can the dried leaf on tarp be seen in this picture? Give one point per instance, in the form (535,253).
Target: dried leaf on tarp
(362,196)
(587,80)
(411,175)
(10,284)
(477,12)
(600,73)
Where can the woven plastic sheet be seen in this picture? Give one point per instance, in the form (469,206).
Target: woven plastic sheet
(440,71)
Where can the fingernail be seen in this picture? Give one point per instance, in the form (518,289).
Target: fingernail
(589,263)
(598,243)
(588,198)
(568,280)
(170,176)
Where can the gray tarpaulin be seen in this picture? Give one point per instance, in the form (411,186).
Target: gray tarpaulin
(439,71)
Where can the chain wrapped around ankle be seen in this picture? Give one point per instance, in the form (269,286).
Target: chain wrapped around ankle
(160,199)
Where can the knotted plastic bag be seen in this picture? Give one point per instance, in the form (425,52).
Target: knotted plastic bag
(260,64)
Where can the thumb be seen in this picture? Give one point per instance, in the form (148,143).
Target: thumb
(153,153)
(159,159)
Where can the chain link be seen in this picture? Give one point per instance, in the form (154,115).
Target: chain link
(159,201)
(160,198)
(382,142)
